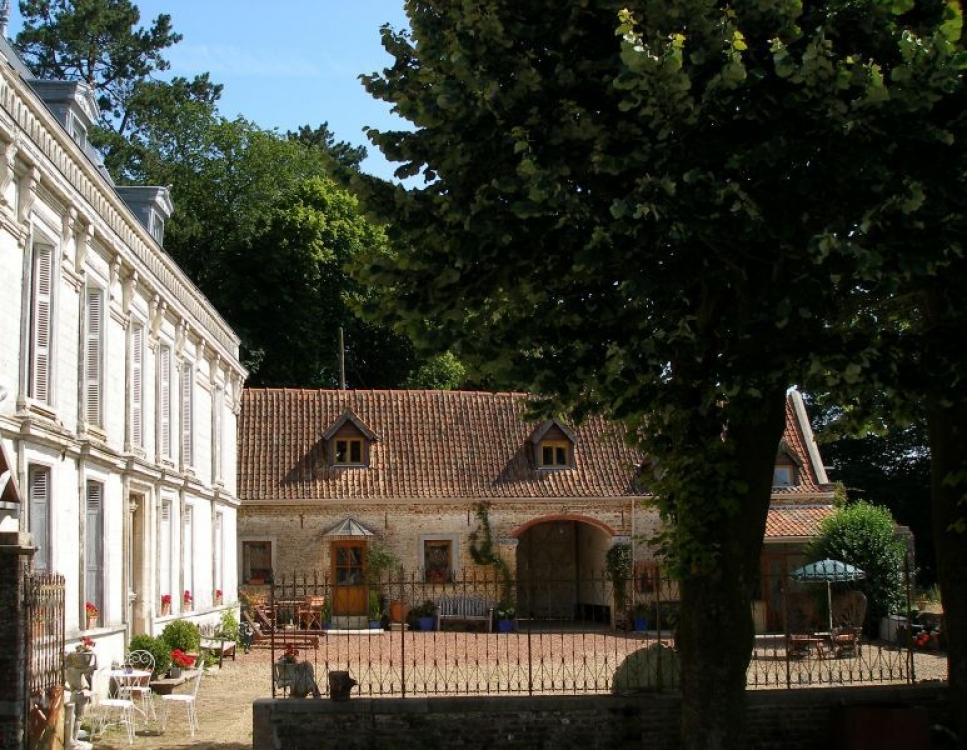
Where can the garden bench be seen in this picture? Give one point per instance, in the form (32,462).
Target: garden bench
(219,647)
(464,608)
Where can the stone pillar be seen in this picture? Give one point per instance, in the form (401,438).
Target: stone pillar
(16,556)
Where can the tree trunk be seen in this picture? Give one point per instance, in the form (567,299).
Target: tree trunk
(947,425)
(716,632)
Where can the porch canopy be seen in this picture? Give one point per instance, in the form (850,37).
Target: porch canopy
(829,572)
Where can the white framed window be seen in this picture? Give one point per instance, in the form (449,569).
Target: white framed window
(137,385)
(93,546)
(157,227)
(218,403)
(187,381)
(439,557)
(555,454)
(188,550)
(165,539)
(38,493)
(93,355)
(218,557)
(41,355)
(783,475)
(164,400)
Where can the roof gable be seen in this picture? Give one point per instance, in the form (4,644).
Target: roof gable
(349,418)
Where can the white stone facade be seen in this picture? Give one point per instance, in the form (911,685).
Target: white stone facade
(122,384)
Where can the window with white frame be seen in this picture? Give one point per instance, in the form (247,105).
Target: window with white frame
(157,227)
(41,338)
(218,402)
(38,493)
(439,557)
(137,385)
(218,542)
(164,551)
(93,355)
(164,400)
(93,546)
(188,550)
(187,378)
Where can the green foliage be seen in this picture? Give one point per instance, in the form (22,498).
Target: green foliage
(183,635)
(157,647)
(483,552)
(443,372)
(865,535)
(618,565)
(375,609)
(228,625)
(379,563)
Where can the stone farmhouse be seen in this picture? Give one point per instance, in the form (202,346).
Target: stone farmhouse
(324,474)
(120,385)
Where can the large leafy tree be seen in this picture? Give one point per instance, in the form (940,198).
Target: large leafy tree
(101,43)
(657,225)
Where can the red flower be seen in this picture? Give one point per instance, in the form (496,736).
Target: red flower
(166,598)
(181,659)
(187,597)
(218,593)
(91,609)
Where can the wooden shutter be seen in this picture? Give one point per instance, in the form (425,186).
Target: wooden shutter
(92,356)
(39,489)
(186,452)
(41,330)
(164,544)
(94,546)
(188,551)
(137,385)
(165,380)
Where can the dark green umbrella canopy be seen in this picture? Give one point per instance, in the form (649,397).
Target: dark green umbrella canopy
(828,572)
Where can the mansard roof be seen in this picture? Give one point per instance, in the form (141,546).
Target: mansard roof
(438,444)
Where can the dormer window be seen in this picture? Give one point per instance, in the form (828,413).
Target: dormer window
(785,473)
(349,451)
(555,453)
(157,227)
(77,130)
(349,442)
(553,444)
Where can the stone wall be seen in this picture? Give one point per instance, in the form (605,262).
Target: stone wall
(813,719)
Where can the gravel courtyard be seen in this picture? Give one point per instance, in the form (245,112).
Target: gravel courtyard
(226,696)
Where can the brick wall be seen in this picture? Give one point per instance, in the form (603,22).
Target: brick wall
(15,555)
(297,530)
(814,719)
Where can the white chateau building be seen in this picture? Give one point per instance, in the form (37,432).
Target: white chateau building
(120,385)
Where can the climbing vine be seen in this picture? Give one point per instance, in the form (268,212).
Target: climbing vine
(484,552)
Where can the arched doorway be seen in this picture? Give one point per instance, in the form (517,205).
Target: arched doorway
(561,571)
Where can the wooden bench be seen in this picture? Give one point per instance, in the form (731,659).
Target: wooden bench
(464,608)
(220,647)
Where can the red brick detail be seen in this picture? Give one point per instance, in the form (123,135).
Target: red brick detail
(516,533)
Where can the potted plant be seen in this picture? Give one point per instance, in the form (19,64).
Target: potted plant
(92,614)
(166,604)
(375,610)
(506,616)
(186,601)
(218,596)
(639,618)
(179,661)
(425,615)
(83,656)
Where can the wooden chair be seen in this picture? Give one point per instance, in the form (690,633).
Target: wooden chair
(849,612)
(310,612)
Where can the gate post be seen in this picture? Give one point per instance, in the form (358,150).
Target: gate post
(16,555)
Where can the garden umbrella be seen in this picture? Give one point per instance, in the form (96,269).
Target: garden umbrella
(828,571)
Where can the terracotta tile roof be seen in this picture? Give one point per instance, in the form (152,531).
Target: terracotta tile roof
(430,444)
(795,521)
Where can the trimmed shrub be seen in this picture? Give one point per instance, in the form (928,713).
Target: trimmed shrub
(154,646)
(182,634)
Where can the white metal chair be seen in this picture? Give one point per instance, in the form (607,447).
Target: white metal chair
(139,690)
(183,699)
(108,710)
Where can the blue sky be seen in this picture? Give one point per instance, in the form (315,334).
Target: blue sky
(285,63)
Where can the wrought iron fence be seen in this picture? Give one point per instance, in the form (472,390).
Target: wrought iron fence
(565,636)
(45,636)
